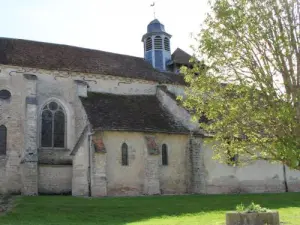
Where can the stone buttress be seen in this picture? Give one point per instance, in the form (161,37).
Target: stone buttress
(30,155)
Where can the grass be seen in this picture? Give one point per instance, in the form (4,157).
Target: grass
(166,210)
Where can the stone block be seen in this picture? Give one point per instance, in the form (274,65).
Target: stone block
(262,218)
(151,179)
(55,179)
(99,180)
(29,178)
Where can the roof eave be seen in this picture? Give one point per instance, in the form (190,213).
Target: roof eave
(155,33)
(140,130)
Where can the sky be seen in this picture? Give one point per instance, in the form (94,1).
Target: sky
(109,25)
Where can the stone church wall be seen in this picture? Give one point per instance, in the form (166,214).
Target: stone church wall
(257,177)
(293,180)
(12,115)
(190,167)
(174,178)
(124,180)
(55,165)
(58,86)
(55,179)
(63,91)
(107,84)
(99,175)
(130,180)
(80,173)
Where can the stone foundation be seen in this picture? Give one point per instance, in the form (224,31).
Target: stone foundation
(29,178)
(99,181)
(55,179)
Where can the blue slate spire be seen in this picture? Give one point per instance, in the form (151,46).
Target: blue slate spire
(157,49)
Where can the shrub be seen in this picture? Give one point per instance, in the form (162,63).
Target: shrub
(252,208)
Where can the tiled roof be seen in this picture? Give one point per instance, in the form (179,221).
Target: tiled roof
(49,56)
(181,57)
(129,112)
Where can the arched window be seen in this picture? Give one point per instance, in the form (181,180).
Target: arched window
(3,137)
(167,44)
(149,44)
(157,42)
(124,154)
(53,126)
(164,154)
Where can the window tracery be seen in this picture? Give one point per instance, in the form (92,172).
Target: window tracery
(53,126)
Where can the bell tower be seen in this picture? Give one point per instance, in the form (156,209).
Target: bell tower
(157,45)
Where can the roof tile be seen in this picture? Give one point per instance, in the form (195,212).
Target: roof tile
(50,56)
(129,112)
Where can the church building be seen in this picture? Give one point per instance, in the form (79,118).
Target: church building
(92,123)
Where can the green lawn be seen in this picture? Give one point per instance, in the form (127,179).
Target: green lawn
(166,210)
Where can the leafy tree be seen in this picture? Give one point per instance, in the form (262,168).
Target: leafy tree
(249,88)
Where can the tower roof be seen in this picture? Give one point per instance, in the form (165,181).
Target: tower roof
(155,27)
(154,21)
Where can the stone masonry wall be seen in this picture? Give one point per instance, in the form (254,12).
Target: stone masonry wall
(124,180)
(99,178)
(258,177)
(30,154)
(55,179)
(12,115)
(80,173)
(293,180)
(151,176)
(177,111)
(98,165)
(198,170)
(145,173)
(175,177)
(56,164)
(58,86)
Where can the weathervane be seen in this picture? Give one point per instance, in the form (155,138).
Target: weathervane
(153,5)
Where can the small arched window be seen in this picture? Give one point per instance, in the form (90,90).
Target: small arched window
(167,44)
(149,44)
(164,155)
(53,126)
(124,150)
(158,42)
(3,137)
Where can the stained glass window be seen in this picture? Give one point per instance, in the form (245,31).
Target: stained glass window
(53,126)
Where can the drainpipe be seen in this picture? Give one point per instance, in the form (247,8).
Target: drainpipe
(284,177)
(90,160)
